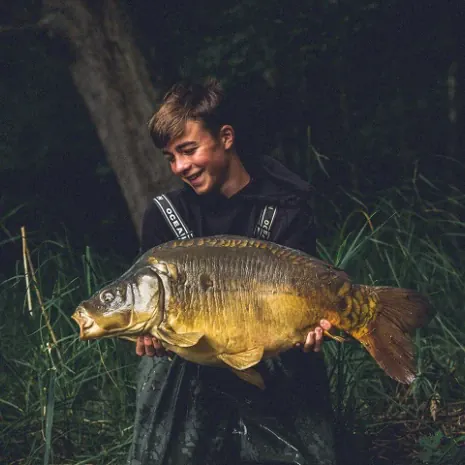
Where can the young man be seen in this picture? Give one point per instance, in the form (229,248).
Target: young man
(189,414)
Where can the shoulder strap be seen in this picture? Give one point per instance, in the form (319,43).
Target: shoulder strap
(265,222)
(172,217)
(181,231)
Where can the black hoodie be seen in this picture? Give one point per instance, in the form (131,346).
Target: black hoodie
(189,414)
(212,214)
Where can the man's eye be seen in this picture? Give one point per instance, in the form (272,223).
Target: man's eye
(169,159)
(189,151)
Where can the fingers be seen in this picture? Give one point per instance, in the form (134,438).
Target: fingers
(314,340)
(309,341)
(318,339)
(140,347)
(159,349)
(149,345)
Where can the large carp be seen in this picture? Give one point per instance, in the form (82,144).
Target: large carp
(231,301)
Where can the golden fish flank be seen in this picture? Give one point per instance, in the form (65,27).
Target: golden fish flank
(230,301)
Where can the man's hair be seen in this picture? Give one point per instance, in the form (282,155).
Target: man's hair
(188,102)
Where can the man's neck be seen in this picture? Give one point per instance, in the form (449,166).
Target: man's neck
(237,178)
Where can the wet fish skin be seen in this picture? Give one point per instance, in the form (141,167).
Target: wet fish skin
(230,301)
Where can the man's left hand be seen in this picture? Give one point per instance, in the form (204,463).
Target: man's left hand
(314,339)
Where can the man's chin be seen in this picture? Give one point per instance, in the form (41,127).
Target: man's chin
(202,188)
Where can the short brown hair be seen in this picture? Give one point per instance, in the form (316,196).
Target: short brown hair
(187,102)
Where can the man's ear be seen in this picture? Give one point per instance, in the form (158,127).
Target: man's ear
(227,136)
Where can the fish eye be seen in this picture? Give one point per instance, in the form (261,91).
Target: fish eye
(106,297)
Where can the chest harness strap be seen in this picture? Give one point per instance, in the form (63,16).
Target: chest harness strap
(265,222)
(181,231)
(173,218)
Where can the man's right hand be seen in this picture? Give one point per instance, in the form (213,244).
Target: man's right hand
(149,345)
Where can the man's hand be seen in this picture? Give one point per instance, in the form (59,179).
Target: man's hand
(314,338)
(149,345)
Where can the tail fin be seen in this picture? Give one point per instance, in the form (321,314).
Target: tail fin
(398,313)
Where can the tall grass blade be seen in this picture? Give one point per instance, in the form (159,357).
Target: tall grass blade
(49,416)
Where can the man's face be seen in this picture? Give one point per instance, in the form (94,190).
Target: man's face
(200,159)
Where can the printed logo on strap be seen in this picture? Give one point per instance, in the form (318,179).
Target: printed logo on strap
(265,222)
(173,218)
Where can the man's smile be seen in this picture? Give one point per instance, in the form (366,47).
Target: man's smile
(193,177)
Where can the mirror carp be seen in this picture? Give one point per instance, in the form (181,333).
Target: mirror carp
(230,301)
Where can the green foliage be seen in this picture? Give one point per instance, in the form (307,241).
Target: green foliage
(65,401)
(438,449)
(419,246)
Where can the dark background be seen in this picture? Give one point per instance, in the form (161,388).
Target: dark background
(369,92)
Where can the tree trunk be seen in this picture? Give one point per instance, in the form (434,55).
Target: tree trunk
(111,75)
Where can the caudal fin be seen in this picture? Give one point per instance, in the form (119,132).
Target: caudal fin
(398,313)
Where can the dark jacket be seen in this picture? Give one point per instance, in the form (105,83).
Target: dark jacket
(189,414)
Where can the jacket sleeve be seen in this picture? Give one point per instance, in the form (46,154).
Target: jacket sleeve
(155,230)
(299,231)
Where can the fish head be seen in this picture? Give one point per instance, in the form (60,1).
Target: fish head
(127,307)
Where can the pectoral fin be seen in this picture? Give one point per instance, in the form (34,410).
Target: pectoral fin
(335,337)
(129,338)
(243,360)
(251,376)
(179,339)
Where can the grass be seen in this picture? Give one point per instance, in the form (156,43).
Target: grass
(418,247)
(69,402)
(73,402)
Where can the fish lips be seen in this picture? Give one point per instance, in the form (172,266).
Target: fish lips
(88,328)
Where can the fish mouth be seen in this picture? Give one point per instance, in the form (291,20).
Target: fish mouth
(88,328)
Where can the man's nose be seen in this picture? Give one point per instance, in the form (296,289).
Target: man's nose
(181,165)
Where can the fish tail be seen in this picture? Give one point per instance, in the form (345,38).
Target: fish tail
(391,316)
